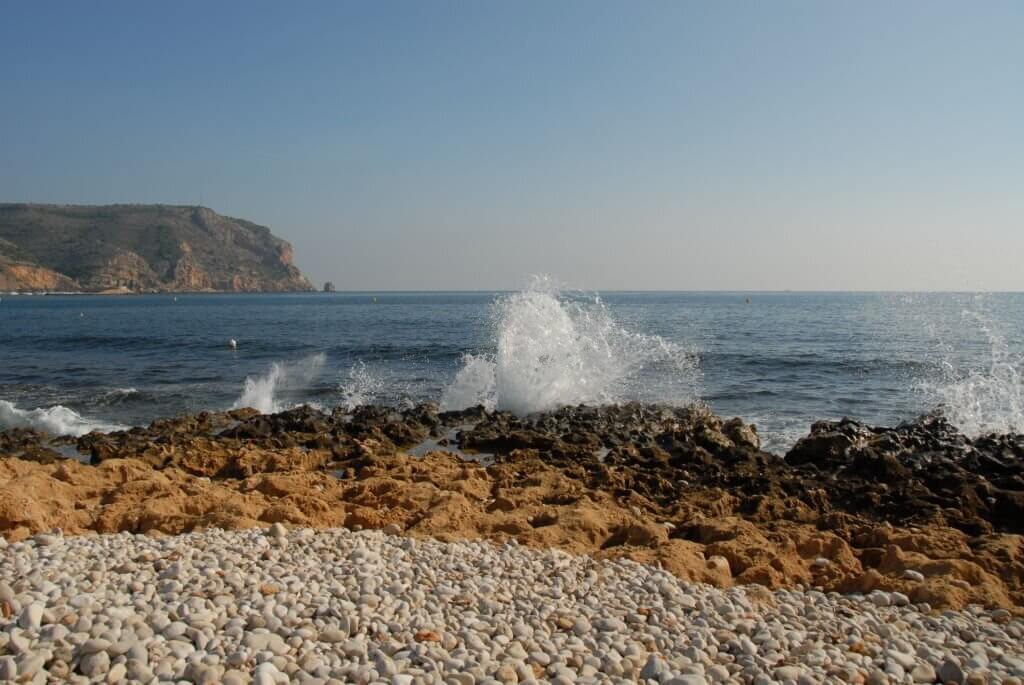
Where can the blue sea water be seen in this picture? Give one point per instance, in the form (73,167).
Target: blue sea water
(781,360)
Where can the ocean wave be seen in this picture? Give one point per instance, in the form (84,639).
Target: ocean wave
(814,361)
(554,350)
(56,420)
(76,342)
(119,396)
(263,393)
(986,398)
(384,352)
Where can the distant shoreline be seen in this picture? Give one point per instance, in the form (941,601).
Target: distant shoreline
(111,293)
(387,291)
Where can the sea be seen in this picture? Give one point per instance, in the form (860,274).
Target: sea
(70,364)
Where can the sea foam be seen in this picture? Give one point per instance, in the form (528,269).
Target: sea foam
(264,393)
(56,420)
(553,349)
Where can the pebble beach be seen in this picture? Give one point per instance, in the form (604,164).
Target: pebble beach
(279,605)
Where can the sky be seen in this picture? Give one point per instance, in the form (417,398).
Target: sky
(613,145)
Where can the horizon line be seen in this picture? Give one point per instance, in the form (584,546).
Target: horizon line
(515,290)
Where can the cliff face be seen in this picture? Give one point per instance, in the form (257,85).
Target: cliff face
(142,248)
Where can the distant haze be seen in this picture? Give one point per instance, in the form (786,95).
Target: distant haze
(652,145)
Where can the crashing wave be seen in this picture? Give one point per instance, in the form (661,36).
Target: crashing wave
(984,399)
(553,350)
(56,420)
(263,393)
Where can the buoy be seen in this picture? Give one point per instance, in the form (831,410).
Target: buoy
(233,344)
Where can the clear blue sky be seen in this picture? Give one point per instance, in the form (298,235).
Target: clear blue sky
(676,145)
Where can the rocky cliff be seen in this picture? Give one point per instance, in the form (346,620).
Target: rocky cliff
(140,248)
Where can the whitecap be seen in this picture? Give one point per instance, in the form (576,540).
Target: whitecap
(56,420)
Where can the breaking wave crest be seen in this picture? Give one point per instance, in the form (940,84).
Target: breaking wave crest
(264,393)
(56,420)
(552,349)
(983,399)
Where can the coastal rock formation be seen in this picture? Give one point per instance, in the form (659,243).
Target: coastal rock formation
(852,508)
(20,276)
(140,248)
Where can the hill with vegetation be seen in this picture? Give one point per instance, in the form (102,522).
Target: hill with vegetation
(140,248)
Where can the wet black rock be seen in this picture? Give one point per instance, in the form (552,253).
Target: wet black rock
(978,485)
(27,444)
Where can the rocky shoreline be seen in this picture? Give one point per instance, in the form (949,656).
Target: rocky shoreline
(918,510)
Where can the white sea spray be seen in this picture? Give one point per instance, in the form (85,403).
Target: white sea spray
(263,393)
(553,350)
(981,398)
(56,420)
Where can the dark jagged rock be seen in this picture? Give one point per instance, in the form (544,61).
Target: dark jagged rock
(27,444)
(924,466)
(920,471)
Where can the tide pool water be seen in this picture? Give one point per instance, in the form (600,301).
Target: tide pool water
(69,364)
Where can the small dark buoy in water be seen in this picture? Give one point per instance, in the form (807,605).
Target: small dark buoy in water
(233,344)
(748,300)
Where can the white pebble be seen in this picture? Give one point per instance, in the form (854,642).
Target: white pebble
(341,606)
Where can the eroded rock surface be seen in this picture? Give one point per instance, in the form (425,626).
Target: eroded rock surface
(918,509)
